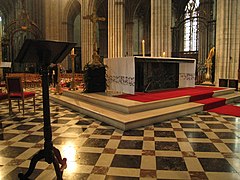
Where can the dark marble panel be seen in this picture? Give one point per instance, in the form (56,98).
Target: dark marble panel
(234,119)
(70,115)
(75,130)
(133,133)
(208,118)
(87,158)
(167,146)
(196,135)
(62,140)
(164,134)
(84,122)
(93,142)
(171,163)
(120,178)
(185,119)
(18,118)
(7,136)
(126,161)
(38,120)
(24,127)
(217,126)
(12,151)
(60,121)
(17,170)
(133,144)
(104,131)
(216,165)
(188,125)
(226,135)
(202,113)
(204,147)
(235,147)
(32,139)
(163,125)
(54,128)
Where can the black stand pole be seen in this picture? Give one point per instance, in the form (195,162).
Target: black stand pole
(50,153)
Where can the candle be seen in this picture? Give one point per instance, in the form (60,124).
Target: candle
(143,47)
(164,54)
(72,52)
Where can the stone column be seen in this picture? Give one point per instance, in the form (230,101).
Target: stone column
(1,70)
(129,39)
(161,27)
(86,34)
(116,27)
(227,40)
(103,35)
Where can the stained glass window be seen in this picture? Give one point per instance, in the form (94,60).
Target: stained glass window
(191,26)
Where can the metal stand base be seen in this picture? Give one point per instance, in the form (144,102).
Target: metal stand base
(56,160)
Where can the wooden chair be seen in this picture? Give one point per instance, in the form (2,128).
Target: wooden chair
(15,92)
(3,96)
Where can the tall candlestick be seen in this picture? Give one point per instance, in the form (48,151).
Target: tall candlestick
(143,47)
(72,51)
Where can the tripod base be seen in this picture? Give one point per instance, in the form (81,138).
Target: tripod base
(56,160)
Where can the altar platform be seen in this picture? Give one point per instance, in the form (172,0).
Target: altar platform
(128,114)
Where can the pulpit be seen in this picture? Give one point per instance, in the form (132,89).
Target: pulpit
(44,53)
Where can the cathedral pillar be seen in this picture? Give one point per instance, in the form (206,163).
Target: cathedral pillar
(116,27)
(129,39)
(161,27)
(228,40)
(1,71)
(103,34)
(86,34)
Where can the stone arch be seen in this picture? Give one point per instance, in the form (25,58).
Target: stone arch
(71,10)
(135,12)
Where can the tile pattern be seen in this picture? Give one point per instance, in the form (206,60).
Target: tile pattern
(200,146)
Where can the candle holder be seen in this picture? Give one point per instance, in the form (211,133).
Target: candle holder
(143,48)
(58,86)
(72,86)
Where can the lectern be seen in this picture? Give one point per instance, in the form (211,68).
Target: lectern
(44,53)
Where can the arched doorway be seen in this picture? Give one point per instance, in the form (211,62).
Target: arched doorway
(74,33)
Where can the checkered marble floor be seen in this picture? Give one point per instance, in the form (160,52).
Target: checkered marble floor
(200,146)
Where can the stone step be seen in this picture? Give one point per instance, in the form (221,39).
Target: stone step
(127,121)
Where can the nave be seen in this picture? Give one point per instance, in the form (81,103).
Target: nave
(201,146)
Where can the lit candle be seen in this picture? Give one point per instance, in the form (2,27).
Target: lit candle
(164,54)
(143,47)
(72,52)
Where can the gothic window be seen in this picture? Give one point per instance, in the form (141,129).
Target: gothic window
(191,26)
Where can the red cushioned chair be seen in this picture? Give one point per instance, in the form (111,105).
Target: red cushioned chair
(15,92)
(3,96)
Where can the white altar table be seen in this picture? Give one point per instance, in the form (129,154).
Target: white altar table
(122,73)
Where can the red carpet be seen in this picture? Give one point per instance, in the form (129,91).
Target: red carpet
(196,93)
(211,103)
(228,110)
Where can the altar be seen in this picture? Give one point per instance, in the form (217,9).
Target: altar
(141,74)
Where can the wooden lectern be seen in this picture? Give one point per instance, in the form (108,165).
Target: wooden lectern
(44,53)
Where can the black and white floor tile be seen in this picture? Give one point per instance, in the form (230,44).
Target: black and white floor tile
(200,146)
